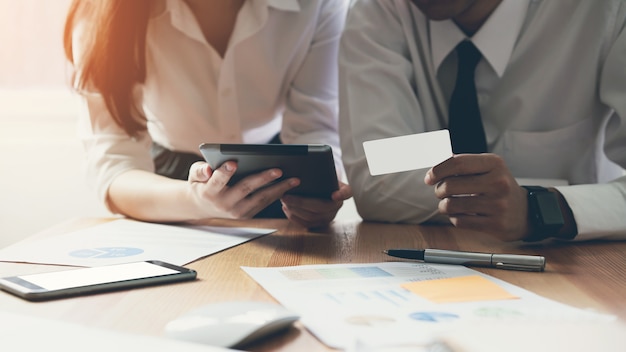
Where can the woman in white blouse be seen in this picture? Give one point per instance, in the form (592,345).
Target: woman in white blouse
(160,77)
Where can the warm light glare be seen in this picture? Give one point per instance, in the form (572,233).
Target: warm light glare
(34,84)
(31,33)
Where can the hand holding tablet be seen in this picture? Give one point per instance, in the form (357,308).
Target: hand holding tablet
(313,164)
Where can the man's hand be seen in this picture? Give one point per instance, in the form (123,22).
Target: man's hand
(478,192)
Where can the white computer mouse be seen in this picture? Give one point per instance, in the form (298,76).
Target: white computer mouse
(231,324)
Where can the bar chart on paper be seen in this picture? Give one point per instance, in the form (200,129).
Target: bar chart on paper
(394,296)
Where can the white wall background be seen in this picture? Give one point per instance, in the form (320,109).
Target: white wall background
(41,181)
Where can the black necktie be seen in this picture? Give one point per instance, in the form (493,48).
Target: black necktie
(464,122)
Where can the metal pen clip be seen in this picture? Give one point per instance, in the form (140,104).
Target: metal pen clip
(524,267)
(519,262)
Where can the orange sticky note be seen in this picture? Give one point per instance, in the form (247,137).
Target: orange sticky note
(459,289)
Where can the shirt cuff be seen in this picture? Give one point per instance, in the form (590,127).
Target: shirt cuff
(598,210)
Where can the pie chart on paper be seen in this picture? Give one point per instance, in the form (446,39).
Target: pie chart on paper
(434,317)
(106,252)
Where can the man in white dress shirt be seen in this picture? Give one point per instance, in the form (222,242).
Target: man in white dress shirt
(551,89)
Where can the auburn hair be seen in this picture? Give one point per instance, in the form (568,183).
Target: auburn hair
(111,60)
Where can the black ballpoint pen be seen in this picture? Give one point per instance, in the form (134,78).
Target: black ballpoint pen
(493,260)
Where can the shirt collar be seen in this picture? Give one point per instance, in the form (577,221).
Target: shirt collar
(286,5)
(495,39)
(183,19)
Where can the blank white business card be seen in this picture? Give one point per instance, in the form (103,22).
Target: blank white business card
(405,153)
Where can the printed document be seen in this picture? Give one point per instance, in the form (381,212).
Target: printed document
(401,302)
(123,240)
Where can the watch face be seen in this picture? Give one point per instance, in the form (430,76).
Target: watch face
(544,211)
(549,209)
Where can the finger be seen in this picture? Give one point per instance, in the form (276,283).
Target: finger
(257,201)
(461,185)
(221,176)
(489,185)
(307,219)
(253,183)
(199,172)
(436,173)
(469,205)
(344,192)
(461,164)
(314,217)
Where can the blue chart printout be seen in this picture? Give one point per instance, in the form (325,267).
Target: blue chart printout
(381,303)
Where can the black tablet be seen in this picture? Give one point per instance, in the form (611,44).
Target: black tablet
(313,164)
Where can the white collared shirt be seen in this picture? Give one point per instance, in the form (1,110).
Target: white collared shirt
(494,40)
(553,101)
(278,74)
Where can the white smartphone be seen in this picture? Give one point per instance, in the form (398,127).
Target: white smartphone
(82,281)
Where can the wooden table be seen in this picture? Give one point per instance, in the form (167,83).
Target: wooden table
(587,275)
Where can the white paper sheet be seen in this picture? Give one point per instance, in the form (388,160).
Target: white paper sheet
(516,336)
(345,303)
(124,240)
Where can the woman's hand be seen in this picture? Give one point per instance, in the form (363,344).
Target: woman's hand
(213,197)
(315,212)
